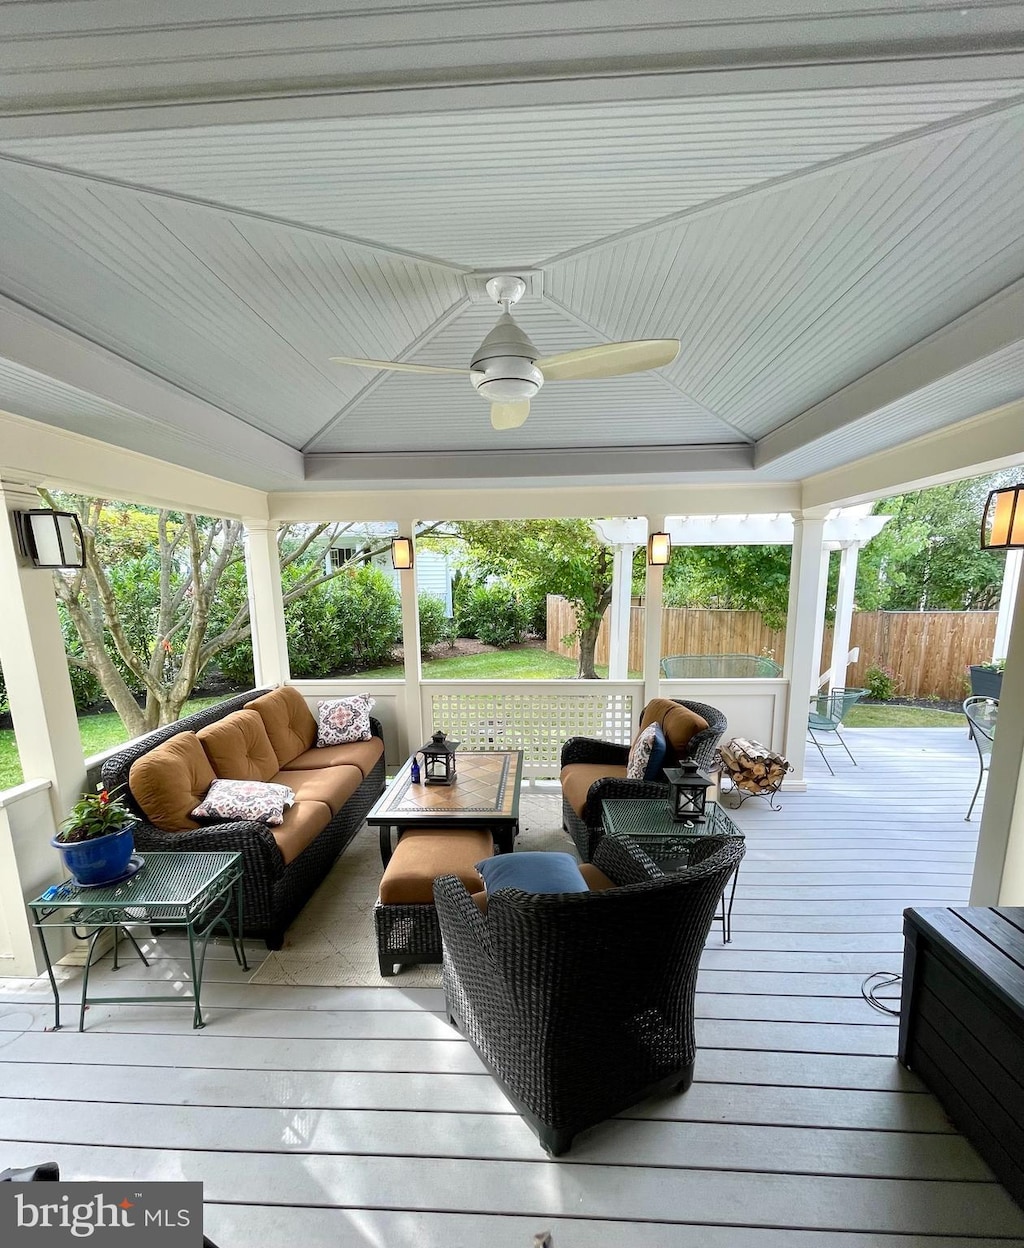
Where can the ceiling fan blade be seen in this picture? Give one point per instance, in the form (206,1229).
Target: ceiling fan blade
(398,368)
(609,359)
(509,415)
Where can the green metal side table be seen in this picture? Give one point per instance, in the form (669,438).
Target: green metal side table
(193,891)
(648,822)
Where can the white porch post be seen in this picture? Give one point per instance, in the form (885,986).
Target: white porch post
(414,730)
(266,603)
(1007,595)
(653,596)
(806,594)
(618,632)
(848,556)
(999,863)
(35,666)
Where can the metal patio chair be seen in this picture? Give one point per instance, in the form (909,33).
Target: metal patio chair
(826,715)
(981,715)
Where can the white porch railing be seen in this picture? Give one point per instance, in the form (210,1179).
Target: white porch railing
(535,716)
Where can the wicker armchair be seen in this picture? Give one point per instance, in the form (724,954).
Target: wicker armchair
(582,1004)
(273,892)
(586,829)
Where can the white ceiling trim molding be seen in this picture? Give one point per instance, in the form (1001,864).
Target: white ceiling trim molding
(989,327)
(920,134)
(583,83)
(503,502)
(657,374)
(983,444)
(364,468)
(39,344)
(39,454)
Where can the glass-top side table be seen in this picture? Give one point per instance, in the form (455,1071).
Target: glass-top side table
(188,890)
(648,822)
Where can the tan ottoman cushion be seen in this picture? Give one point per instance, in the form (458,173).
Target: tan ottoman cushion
(424,854)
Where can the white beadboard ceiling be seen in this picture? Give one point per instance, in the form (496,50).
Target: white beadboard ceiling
(792,239)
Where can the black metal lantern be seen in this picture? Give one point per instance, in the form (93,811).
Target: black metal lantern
(687,792)
(439,760)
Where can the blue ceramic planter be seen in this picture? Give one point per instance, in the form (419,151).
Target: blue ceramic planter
(101,859)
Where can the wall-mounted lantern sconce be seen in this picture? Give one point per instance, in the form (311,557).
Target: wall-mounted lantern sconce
(51,539)
(402,556)
(1002,524)
(659,549)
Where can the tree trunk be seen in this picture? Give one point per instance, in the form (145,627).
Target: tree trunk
(588,646)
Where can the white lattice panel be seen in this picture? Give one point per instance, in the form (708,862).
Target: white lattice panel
(534,721)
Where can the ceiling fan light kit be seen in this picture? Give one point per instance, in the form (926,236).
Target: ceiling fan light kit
(506,371)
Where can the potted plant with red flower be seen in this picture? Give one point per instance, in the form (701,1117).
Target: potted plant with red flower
(96,840)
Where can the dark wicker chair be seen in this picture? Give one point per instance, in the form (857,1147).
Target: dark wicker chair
(582,1004)
(273,893)
(588,830)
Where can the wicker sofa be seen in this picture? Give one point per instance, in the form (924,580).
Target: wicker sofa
(262,735)
(593,770)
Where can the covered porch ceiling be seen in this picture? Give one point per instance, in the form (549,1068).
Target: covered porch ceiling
(825,206)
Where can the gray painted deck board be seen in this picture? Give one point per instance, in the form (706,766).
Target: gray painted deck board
(355,1116)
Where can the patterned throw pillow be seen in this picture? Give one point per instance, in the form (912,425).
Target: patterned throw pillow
(647,754)
(245,799)
(342,720)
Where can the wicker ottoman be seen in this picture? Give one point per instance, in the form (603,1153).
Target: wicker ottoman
(404,916)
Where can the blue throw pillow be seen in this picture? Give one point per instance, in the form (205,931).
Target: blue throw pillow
(647,754)
(533,872)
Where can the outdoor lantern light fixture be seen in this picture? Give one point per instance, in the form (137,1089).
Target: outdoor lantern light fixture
(659,549)
(687,792)
(51,539)
(439,760)
(1002,524)
(402,556)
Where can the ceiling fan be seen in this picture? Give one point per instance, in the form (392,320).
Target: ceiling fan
(507,369)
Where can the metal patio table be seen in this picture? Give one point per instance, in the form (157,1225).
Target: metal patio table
(192,891)
(648,822)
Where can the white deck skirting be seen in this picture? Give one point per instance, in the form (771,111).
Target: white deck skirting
(357,1117)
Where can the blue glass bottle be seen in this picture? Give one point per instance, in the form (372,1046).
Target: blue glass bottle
(414,770)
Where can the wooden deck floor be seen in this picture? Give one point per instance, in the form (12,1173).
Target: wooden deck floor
(357,1117)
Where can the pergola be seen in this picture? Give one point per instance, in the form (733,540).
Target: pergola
(192,227)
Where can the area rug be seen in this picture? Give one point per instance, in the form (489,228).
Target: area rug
(332,944)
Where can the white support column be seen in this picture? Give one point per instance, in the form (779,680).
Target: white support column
(848,556)
(415,733)
(806,597)
(999,863)
(266,603)
(819,621)
(618,616)
(653,591)
(1007,596)
(35,667)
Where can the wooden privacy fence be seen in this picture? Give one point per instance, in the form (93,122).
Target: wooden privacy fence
(928,651)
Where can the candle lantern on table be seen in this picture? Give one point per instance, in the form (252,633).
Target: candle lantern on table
(687,792)
(439,760)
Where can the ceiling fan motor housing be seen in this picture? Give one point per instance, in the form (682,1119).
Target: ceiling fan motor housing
(503,369)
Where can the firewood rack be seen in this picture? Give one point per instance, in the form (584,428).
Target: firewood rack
(753,770)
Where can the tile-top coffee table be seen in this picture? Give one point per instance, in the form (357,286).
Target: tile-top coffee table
(485,795)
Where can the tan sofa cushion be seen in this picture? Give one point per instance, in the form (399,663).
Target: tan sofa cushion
(578,777)
(331,785)
(679,725)
(238,747)
(424,854)
(302,824)
(171,780)
(361,754)
(289,722)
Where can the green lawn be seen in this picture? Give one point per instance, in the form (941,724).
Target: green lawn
(98,733)
(861,716)
(529,663)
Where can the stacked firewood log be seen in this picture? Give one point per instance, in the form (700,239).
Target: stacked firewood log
(753,767)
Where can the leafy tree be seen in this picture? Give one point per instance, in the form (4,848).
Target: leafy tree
(739,578)
(163,594)
(547,556)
